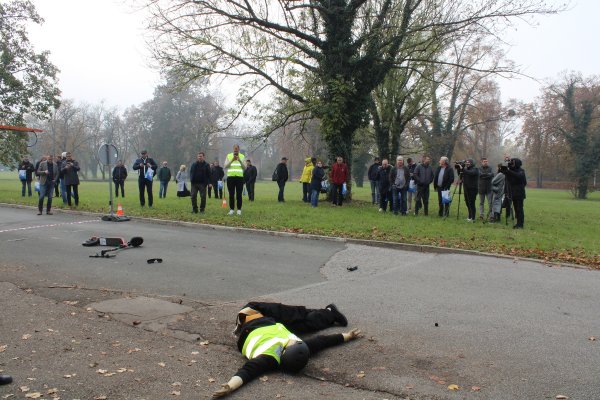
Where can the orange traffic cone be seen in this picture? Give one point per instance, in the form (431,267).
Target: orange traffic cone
(224,204)
(119,210)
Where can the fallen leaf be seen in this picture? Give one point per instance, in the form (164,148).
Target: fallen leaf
(175,393)
(212,380)
(195,352)
(205,343)
(409,387)
(361,374)
(475,388)
(100,398)
(561,397)
(70,303)
(162,364)
(453,387)
(33,395)
(3,348)
(121,370)
(592,338)
(133,350)
(24,388)
(278,396)
(52,391)
(176,384)
(25,336)
(102,371)
(110,374)
(6,396)
(264,378)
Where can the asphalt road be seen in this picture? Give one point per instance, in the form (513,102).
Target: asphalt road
(505,329)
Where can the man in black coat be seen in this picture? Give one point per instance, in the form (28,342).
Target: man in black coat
(119,174)
(442,180)
(27,166)
(423,177)
(142,165)
(282,176)
(383,181)
(486,174)
(372,174)
(200,179)
(250,174)
(470,180)
(217,175)
(515,188)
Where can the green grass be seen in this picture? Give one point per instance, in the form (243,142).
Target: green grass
(557,227)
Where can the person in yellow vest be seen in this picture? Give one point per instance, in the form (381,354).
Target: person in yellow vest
(234,165)
(309,165)
(267,338)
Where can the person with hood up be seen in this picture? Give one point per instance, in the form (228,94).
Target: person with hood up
(497,194)
(266,335)
(309,164)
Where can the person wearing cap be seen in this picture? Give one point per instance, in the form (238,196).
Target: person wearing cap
(267,337)
(234,164)
(281,172)
(309,164)
(143,165)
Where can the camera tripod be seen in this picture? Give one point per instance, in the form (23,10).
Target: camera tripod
(509,202)
(459,187)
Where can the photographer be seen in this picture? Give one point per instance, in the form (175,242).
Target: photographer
(469,176)
(515,188)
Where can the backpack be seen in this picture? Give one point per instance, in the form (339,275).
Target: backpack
(275,175)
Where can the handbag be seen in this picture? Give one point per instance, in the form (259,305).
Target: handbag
(220,185)
(22,174)
(149,173)
(446,198)
(36,186)
(344,189)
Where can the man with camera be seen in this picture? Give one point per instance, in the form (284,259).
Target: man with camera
(469,177)
(515,187)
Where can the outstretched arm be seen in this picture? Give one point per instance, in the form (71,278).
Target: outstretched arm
(252,369)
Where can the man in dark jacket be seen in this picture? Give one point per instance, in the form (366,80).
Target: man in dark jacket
(48,173)
(486,174)
(372,174)
(442,180)
(250,174)
(423,177)
(142,165)
(383,182)
(515,189)
(27,166)
(200,179)
(164,176)
(267,338)
(318,174)
(399,178)
(119,174)
(217,174)
(282,176)
(70,176)
(470,179)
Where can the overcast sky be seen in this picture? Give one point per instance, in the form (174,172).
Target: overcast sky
(100,50)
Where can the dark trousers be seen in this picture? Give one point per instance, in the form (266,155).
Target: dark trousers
(306,192)
(385,199)
(28,185)
(336,194)
(235,186)
(117,185)
(218,192)
(250,189)
(298,319)
(470,197)
(145,185)
(422,199)
(198,187)
(56,185)
(281,185)
(46,191)
(443,209)
(75,190)
(399,200)
(374,192)
(519,212)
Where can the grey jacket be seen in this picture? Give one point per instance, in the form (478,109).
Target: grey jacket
(423,175)
(497,192)
(42,171)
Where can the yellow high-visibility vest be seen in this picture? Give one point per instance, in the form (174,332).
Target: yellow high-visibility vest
(269,340)
(237,167)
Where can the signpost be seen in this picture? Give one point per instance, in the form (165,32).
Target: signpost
(108,155)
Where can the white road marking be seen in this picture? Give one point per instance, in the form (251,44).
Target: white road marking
(47,226)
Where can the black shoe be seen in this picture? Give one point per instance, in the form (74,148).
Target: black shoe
(518,227)
(339,317)
(5,379)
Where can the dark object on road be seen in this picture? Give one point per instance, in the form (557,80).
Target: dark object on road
(5,379)
(153,260)
(136,241)
(100,241)
(352,268)
(436,324)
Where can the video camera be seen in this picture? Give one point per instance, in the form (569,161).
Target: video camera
(506,165)
(460,166)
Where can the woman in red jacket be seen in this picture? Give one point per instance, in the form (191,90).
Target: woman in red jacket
(339,176)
